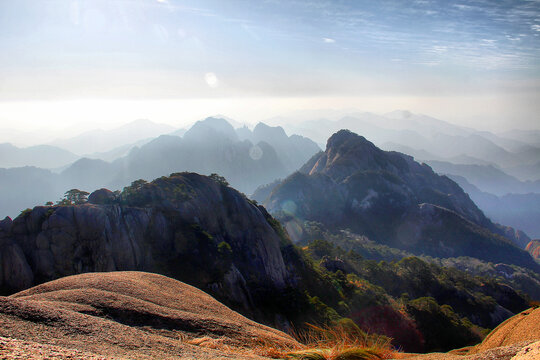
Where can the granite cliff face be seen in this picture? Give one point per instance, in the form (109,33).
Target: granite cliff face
(187,226)
(392,199)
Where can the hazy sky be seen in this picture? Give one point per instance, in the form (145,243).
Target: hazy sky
(89,63)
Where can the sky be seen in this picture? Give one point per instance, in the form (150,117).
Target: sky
(100,63)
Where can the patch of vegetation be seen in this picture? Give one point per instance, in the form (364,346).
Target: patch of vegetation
(413,295)
(219,179)
(158,193)
(344,341)
(73,197)
(26,212)
(444,327)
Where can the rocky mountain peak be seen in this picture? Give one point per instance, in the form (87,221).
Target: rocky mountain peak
(263,131)
(211,129)
(346,153)
(188,226)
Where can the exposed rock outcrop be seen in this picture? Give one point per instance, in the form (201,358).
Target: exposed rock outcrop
(520,328)
(102,196)
(186,226)
(518,338)
(133,315)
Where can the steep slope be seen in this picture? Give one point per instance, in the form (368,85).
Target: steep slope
(520,328)
(392,199)
(517,339)
(133,314)
(186,226)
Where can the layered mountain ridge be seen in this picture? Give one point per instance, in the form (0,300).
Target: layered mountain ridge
(209,146)
(392,199)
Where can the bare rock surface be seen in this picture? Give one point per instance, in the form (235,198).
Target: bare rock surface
(515,339)
(530,352)
(524,326)
(128,315)
(186,226)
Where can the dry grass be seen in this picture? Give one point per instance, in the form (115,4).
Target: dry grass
(340,342)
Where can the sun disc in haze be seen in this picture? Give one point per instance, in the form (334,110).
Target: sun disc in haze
(211,79)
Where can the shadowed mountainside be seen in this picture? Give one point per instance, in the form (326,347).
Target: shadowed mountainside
(187,226)
(392,199)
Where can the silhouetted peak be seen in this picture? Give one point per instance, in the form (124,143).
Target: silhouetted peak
(264,131)
(211,128)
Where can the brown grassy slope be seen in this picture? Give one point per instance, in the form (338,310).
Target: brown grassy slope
(515,335)
(522,327)
(133,315)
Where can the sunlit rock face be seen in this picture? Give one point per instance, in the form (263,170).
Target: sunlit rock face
(187,226)
(534,248)
(390,198)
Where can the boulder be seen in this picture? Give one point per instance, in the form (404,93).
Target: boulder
(102,196)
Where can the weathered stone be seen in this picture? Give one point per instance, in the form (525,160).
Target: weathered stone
(52,242)
(102,197)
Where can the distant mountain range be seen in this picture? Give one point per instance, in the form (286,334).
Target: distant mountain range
(102,140)
(486,177)
(500,164)
(106,145)
(521,211)
(44,156)
(431,139)
(246,158)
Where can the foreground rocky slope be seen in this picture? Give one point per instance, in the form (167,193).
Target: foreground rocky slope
(129,315)
(136,315)
(518,338)
(186,226)
(391,199)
